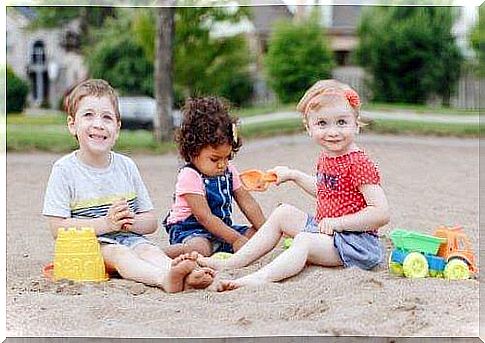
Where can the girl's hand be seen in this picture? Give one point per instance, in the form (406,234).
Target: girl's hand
(250,232)
(120,217)
(325,227)
(239,243)
(283,173)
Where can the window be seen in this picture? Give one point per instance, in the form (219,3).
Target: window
(38,53)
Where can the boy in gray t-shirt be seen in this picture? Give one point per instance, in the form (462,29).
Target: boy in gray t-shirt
(96,187)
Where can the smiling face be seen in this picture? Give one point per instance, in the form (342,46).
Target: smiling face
(333,126)
(96,126)
(213,161)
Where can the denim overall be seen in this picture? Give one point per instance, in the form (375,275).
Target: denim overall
(219,194)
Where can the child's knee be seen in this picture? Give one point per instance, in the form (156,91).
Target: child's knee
(303,239)
(199,244)
(282,212)
(115,253)
(147,250)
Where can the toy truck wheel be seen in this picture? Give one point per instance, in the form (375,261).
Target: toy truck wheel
(457,269)
(415,265)
(395,268)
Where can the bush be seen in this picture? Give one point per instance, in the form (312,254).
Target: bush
(297,57)
(123,64)
(409,52)
(17,90)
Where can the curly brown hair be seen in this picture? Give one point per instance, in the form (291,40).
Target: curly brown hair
(206,122)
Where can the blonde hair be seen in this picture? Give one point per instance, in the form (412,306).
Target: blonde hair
(316,95)
(91,87)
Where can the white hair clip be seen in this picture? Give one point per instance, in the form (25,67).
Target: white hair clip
(234,132)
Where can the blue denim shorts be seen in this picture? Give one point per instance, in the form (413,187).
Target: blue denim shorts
(129,239)
(356,249)
(189,228)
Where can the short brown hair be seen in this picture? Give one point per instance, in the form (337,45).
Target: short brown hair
(90,87)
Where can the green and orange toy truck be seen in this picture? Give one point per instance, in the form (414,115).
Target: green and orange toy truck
(447,253)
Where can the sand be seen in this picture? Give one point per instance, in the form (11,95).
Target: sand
(428,181)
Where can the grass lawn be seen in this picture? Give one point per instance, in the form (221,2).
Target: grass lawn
(49,133)
(381,107)
(375,106)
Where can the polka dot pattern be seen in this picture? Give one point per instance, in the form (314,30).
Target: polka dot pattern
(338,180)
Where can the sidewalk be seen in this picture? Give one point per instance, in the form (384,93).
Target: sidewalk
(395,115)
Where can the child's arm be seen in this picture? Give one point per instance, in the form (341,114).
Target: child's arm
(144,223)
(201,210)
(250,207)
(100,225)
(307,182)
(375,215)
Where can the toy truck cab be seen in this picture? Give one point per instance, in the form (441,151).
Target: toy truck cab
(457,246)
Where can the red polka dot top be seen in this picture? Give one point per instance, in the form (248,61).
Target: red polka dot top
(338,180)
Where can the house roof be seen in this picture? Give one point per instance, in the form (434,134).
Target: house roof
(264,16)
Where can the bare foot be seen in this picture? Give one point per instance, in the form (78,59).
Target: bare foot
(248,280)
(227,285)
(210,262)
(199,278)
(181,267)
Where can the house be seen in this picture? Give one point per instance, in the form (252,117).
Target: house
(47,58)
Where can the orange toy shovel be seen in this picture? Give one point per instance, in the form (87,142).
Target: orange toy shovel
(257,180)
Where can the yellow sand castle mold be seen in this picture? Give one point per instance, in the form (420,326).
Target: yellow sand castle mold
(78,256)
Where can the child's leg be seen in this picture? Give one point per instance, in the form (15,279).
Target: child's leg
(284,219)
(127,263)
(198,243)
(197,278)
(306,247)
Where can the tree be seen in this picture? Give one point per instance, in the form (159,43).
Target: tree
(118,58)
(297,57)
(163,73)
(477,39)
(90,18)
(202,64)
(409,52)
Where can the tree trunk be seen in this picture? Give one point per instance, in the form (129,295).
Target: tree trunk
(163,123)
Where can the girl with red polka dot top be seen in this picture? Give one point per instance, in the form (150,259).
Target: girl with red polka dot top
(350,202)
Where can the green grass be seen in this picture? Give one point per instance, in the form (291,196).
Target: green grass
(49,133)
(376,106)
(263,109)
(20,119)
(420,128)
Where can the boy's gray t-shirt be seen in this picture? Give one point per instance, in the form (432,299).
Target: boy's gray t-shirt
(76,190)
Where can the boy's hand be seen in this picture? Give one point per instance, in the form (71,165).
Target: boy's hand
(325,227)
(239,243)
(283,174)
(120,217)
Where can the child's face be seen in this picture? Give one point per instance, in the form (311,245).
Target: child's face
(213,161)
(95,125)
(333,126)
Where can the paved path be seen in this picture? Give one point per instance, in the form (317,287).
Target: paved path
(394,115)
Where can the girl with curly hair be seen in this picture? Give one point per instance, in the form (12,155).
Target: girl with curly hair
(201,216)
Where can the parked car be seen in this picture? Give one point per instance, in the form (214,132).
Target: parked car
(137,112)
